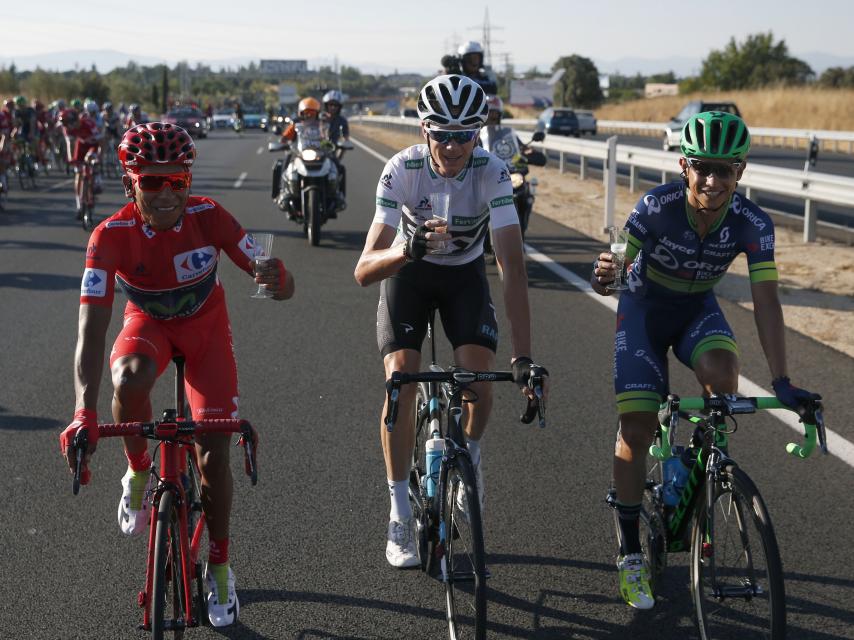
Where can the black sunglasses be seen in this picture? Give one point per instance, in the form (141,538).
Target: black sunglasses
(724,170)
(462,136)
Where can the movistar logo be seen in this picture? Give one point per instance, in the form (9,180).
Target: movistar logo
(160,310)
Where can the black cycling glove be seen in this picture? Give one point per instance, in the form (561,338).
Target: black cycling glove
(521,370)
(790,395)
(416,244)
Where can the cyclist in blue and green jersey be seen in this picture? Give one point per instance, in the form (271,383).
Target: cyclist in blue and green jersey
(683,237)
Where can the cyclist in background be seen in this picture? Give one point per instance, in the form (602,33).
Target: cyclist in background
(401,253)
(134,117)
(82,138)
(683,236)
(337,129)
(112,124)
(238,117)
(6,160)
(163,250)
(471,62)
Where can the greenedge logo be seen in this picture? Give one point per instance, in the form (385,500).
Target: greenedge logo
(384,202)
(501,202)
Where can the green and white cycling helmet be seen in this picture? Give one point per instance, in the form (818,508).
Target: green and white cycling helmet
(715,135)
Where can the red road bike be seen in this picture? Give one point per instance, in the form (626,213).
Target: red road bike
(173,598)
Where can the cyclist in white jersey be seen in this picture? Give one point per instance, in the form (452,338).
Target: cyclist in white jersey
(423,262)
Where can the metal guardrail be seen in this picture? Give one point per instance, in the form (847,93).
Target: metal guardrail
(811,187)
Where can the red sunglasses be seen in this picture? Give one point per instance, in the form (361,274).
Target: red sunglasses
(154,183)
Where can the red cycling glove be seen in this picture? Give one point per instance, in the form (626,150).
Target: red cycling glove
(83,419)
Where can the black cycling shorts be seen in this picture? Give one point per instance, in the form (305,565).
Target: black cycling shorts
(460,293)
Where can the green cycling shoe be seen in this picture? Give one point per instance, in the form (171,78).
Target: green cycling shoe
(634,581)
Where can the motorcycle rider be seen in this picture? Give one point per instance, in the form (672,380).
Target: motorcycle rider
(338,128)
(471,64)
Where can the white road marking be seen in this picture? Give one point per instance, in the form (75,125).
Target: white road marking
(836,444)
(60,184)
(259,151)
(239,181)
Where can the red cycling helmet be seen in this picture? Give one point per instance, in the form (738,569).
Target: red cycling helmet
(156,143)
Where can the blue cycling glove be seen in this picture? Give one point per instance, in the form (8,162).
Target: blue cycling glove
(790,395)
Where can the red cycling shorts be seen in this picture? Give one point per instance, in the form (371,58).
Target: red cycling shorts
(80,151)
(205,341)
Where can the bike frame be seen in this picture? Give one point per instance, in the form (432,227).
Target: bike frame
(713,455)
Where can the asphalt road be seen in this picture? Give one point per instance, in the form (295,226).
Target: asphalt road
(308,541)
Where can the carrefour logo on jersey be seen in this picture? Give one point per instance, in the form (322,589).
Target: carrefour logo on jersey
(94,283)
(191,264)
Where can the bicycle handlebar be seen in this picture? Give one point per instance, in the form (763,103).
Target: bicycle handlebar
(730,405)
(463,378)
(168,431)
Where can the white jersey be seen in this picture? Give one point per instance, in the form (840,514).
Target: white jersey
(480,196)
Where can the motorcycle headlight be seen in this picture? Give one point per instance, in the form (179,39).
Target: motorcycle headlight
(516,180)
(310,155)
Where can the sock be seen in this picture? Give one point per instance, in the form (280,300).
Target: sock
(219,572)
(139,461)
(218,551)
(629,517)
(77,199)
(398,491)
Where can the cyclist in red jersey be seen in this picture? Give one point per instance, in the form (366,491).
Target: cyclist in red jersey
(82,138)
(163,250)
(6,122)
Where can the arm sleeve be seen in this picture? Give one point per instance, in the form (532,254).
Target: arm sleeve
(390,195)
(639,225)
(759,246)
(99,275)
(233,239)
(499,194)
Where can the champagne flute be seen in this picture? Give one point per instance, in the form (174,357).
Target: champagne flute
(439,204)
(619,240)
(262,247)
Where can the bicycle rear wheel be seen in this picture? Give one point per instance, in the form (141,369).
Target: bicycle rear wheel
(464,556)
(195,518)
(736,573)
(167,597)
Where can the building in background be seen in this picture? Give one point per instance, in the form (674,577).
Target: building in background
(656,89)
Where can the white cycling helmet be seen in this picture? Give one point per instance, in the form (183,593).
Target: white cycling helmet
(91,106)
(452,100)
(469,47)
(332,96)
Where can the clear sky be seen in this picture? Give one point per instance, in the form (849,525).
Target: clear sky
(412,35)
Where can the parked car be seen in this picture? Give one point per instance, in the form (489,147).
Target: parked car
(558,120)
(673,129)
(190,118)
(586,122)
(409,113)
(252,120)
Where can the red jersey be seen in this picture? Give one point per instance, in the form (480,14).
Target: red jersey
(165,274)
(86,131)
(5,121)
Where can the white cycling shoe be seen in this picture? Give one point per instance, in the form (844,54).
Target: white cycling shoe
(400,549)
(222,612)
(133,521)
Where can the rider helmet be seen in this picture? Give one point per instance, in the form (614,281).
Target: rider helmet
(308,104)
(77,104)
(91,107)
(37,104)
(9,104)
(452,100)
(60,104)
(108,106)
(20,101)
(156,143)
(332,96)
(715,135)
(469,47)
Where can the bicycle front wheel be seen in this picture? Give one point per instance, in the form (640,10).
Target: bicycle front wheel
(417,477)
(736,573)
(464,563)
(167,588)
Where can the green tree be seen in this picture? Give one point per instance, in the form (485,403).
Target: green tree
(756,62)
(579,85)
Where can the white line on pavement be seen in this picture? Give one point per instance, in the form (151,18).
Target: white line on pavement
(836,444)
(60,184)
(239,181)
(259,151)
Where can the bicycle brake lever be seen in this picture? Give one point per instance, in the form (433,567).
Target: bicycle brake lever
(80,445)
(822,434)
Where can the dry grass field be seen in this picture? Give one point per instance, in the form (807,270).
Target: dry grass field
(790,108)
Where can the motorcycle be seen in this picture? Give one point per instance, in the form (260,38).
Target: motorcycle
(307,183)
(504,143)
